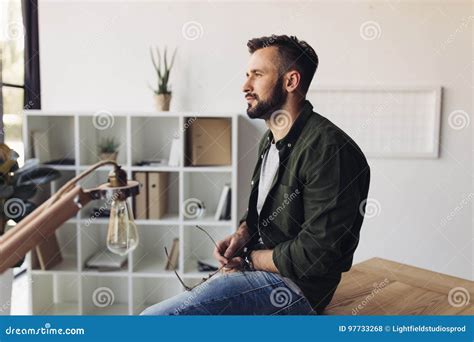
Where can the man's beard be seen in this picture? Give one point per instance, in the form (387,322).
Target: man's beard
(264,109)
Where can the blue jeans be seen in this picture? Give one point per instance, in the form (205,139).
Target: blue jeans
(238,293)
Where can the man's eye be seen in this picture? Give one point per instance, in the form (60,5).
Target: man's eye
(259,75)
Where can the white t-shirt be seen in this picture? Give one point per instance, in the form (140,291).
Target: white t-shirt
(270,165)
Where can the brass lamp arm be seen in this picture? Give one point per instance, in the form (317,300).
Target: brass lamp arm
(38,226)
(73,181)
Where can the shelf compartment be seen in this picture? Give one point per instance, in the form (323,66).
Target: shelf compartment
(93,240)
(208,141)
(52,136)
(198,246)
(207,188)
(162,129)
(104,295)
(149,256)
(55,294)
(67,240)
(92,129)
(169,191)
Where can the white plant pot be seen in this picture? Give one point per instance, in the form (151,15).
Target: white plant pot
(109,156)
(6,281)
(162,102)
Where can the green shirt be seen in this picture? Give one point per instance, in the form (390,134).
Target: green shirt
(314,210)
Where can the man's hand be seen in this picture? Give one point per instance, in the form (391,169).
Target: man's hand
(228,249)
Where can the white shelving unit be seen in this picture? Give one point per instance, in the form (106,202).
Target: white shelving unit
(70,288)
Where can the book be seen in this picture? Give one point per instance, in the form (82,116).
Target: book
(157,195)
(35,264)
(40,145)
(49,253)
(175,154)
(105,260)
(153,163)
(228,206)
(172,263)
(140,201)
(221,205)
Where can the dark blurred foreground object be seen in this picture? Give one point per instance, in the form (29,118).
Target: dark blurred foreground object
(19,185)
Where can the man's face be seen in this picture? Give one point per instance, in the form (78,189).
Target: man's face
(264,87)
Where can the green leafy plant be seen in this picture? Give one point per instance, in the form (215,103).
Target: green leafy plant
(108,145)
(162,71)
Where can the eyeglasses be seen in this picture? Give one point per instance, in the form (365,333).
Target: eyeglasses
(210,275)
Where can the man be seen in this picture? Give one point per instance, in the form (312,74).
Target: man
(307,200)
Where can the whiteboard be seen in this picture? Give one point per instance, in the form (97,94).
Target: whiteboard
(386,122)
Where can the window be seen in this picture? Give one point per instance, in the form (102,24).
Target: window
(19,81)
(12,70)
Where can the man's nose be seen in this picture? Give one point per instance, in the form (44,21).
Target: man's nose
(246,87)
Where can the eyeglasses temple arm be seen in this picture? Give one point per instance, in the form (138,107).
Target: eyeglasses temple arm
(187,288)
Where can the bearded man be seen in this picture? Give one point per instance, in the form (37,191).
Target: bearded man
(306,205)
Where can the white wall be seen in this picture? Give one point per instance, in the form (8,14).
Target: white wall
(95,55)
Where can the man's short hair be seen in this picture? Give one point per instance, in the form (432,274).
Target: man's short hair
(294,55)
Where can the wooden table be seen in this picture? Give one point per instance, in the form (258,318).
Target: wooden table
(382,287)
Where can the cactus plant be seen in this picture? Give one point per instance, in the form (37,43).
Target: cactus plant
(108,145)
(162,72)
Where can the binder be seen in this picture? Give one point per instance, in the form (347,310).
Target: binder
(140,201)
(157,194)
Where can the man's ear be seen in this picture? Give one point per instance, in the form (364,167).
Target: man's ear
(292,80)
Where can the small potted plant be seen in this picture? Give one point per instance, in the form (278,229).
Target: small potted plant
(108,149)
(163,91)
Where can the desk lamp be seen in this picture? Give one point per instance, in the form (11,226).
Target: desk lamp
(122,235)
